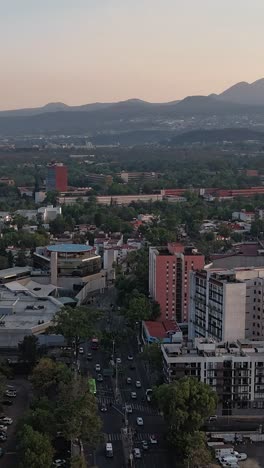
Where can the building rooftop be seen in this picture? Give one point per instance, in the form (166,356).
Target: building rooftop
(14,272)
(22,313)
(69,248)
(202,347)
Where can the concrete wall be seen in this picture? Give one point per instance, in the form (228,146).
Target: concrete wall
(234,309)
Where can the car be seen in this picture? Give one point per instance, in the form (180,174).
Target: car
(137,453)
(7,402)
(3,428)
(81,350)
(97,367)
(118,360)
(10,394)
(133,395)
(130,357)
(103,408)
(140,421)
(6,420)
(59,462)
(2,452)
(3,437)
(138,384)
(89,356)
(129,409)
(153,439)
(99,378)
(129,380)
(213,418)
(145,445)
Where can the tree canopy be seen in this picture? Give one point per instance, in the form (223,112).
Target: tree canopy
(35,449)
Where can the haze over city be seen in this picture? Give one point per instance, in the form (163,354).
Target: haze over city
(86,50)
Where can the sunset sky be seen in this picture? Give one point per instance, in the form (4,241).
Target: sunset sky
(80,51)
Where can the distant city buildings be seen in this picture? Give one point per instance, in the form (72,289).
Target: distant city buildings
(57,178)
(169,272)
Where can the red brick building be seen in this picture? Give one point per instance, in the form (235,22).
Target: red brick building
(169,271)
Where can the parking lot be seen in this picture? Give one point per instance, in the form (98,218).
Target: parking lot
(19,406)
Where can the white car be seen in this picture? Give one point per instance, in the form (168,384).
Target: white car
(130,357)
(118,360)
(3,428)
(140,421)
(97,367)
(138,384)
(10,394)
(6,420)
(81,350)
(137,453)
(60,462)
(129,409)
(133,395)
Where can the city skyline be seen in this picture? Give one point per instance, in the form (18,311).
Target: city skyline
(87,51)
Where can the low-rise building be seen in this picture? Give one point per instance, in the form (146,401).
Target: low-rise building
(24,312)
(235,370)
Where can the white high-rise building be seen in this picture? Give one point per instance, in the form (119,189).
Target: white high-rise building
(227,304)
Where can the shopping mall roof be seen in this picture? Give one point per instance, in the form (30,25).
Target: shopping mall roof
(69,248)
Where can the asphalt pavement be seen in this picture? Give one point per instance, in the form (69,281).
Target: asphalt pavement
(114,419)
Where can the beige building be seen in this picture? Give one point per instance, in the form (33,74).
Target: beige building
(227,304)
(235,370)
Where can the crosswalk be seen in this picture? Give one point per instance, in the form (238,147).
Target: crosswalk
(135,406)
(116,436)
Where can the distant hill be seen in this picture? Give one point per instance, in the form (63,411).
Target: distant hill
(135,115)
(217,136)
(245,93)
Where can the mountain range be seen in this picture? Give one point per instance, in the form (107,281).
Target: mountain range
(242,99)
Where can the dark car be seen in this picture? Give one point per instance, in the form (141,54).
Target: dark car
(7,402)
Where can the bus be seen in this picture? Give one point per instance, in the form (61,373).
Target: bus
(92,386)
(95,344)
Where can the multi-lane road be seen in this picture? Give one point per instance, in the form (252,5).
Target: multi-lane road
(114,418)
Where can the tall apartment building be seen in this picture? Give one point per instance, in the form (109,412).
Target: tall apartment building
(217,305)
(227,304)
(169,271)
(235,370)
(57,178)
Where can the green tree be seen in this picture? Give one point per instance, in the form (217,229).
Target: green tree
(139,308)
(42,420)
(57,225)
(155,310)
(78,462)
(153,356)
(10,259)
(224,231)
(48,375)
(35,449)
(28,349)
(51,197)
(76,324)
(77,413)
(3,262)
(195,450)
(21,259)
(186,404)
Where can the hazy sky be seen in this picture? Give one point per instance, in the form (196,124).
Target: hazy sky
(80,51)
